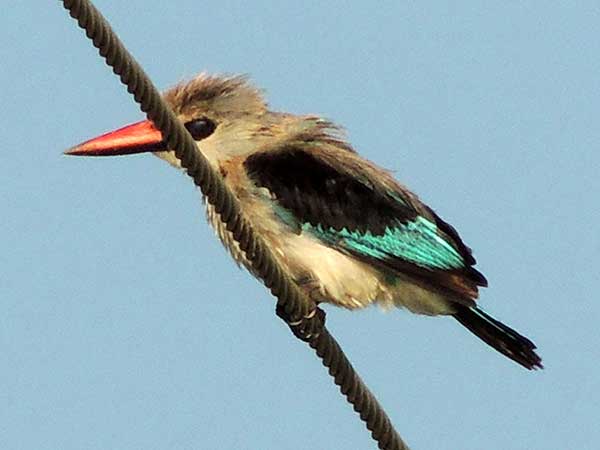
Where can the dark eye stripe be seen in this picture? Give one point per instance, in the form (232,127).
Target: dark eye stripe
(200,128)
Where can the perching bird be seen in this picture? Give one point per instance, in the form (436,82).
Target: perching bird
(343,228)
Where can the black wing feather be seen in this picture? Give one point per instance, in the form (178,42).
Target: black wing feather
(320,195)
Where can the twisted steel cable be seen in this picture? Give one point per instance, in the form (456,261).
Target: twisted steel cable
(305,319)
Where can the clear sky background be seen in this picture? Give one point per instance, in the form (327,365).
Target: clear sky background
(125,325)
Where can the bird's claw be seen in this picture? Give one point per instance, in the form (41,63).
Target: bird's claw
(307,328)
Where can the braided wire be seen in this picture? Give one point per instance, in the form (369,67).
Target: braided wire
(296,308)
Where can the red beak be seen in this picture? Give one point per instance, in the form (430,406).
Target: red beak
(139,137)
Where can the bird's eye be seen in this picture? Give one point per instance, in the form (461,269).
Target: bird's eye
(200,128)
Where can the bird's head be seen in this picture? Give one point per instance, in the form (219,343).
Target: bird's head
(226,116)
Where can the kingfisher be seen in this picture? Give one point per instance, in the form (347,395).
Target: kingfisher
(343,228)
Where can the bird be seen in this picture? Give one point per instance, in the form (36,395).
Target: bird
(343,228)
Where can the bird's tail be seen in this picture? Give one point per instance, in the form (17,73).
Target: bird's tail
(494,333)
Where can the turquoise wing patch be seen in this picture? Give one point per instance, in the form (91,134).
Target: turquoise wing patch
(417,242)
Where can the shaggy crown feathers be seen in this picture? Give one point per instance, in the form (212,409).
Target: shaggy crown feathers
(225,95)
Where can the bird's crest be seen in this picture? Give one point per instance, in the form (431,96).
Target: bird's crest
(218,94)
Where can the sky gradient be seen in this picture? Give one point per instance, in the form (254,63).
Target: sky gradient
(125,325)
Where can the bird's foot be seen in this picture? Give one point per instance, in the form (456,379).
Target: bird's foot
(306,328)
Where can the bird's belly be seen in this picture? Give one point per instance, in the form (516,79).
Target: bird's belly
(327,275)
(331,276)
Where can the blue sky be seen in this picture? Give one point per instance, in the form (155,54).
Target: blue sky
(126,326)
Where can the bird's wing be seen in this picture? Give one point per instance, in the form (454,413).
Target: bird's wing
(357,208)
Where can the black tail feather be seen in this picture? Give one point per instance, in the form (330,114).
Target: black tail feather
(494,333)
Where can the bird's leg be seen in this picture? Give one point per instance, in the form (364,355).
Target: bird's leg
(311,287)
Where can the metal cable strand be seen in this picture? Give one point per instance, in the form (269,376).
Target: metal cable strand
(356,392)
(301,314)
